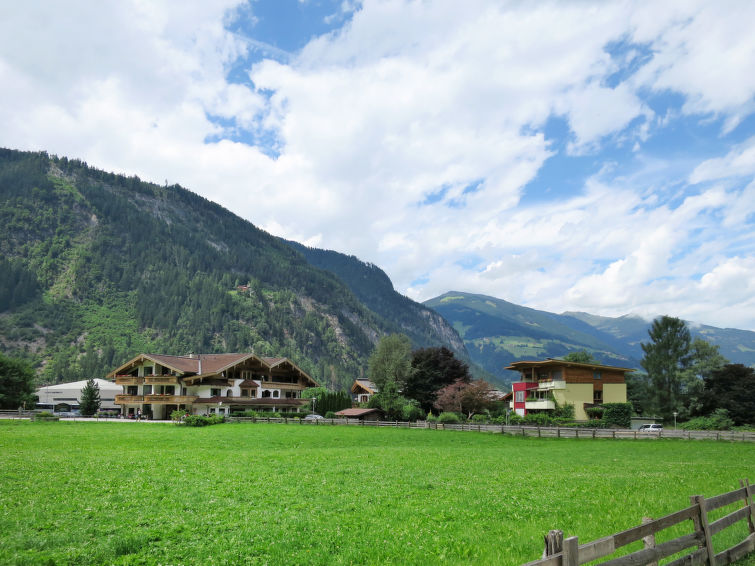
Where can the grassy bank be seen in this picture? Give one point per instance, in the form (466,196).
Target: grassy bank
(144,493)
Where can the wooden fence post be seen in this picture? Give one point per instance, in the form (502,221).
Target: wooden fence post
(649,541)
(554,543)
(702,524)
(745,483)
(570,556)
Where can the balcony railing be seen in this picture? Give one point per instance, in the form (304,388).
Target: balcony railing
(547,385)
(540,404)
(161,379)
(123,399)
(128,380)
(170,399)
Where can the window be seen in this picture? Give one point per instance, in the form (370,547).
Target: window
(149,370)
(557,374)
(266,393)
(519,397)
(229,392)
(246,374)
(253,393)
(245,393)
(276,393)
(215,392)
(131,390)
(148,390)
(597,396)
(596,375)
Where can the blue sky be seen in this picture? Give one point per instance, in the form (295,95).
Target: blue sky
(583,156)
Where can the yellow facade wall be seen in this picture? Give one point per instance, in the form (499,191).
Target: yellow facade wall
(615,393)
(576,394)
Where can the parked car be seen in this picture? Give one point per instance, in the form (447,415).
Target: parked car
(651,428)
(313,417)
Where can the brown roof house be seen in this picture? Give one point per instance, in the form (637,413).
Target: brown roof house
(361,414)
(362,390)
(154,385)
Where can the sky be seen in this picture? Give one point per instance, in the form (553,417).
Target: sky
(566,156)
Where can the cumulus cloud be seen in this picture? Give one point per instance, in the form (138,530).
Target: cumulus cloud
(411,135)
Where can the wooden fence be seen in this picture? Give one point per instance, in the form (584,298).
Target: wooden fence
(536,431)
(568,552)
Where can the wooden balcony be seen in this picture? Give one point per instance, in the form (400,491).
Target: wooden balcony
(124,399)
(170,399)
(161,379)
(128,380)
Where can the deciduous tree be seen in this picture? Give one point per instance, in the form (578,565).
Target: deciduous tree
(731,387)
(16,383)
(580,356)
(465,397)
(390,361)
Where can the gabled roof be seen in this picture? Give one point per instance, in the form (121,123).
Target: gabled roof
(205,365)
(365,385)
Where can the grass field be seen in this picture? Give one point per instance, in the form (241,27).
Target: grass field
(144,493)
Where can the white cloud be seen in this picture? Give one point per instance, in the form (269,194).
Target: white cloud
(384,124)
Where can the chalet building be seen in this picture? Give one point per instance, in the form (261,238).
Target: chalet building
(155,385)
(362,390)
(543,383)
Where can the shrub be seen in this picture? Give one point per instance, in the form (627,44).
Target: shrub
(718,420)
(196,420)
(330,415)
(479,418)
(617,415)
(411,411)
(431,418)
(448,418)
(595,412)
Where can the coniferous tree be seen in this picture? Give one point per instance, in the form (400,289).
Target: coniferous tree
(667,357)
(90,398)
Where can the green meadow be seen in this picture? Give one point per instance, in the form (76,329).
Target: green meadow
(146,493)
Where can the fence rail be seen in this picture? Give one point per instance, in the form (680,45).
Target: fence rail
(537,431)
(568,552)
(514,430)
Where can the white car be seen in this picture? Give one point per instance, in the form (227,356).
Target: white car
(313,417)
(651,428)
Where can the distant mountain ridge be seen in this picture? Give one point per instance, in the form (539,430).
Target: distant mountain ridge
(497,332)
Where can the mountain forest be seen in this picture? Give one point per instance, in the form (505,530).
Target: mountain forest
(97,267)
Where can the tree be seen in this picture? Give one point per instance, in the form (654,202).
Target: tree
(16,383)
(465,397)
(705,359)
(431,370)
(90,398)
(666,358)
(731,387)
(390,361)
(580,356)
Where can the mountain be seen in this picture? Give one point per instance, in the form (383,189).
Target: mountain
(96,267)
(497,333)
(372,286)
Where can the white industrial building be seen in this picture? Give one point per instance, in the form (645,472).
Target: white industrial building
(67,396)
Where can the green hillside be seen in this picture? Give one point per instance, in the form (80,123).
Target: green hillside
(497,333)
(374,288)
(96,267)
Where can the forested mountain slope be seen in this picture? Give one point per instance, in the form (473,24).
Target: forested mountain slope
(95,267)
(374,288)
(497,333)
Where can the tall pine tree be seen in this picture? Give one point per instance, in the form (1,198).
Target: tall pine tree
(667,357)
